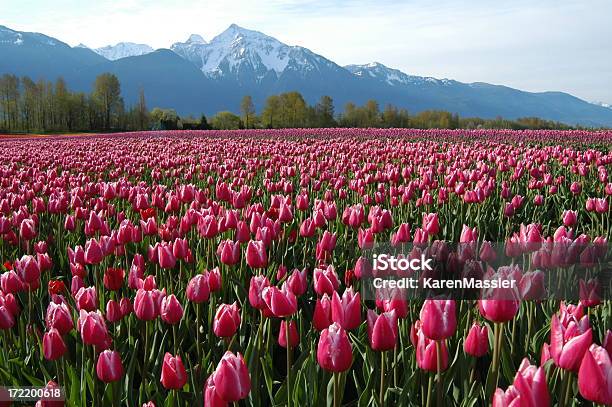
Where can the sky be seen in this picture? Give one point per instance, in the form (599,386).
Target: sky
(533,45)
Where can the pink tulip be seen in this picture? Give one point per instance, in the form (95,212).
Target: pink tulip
(595,375)
(171,310)
(173,374)
(256,256)
(227,320)
(438,318)
(109,367)
(198,289)
(382,330)
(346,311)
(231,379)
(334,352)
(569,341)
(477,341)
(282,303)
(293,335)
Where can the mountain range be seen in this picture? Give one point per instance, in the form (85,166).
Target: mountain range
(197,76)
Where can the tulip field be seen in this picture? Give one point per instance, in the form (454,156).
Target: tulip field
(225,268)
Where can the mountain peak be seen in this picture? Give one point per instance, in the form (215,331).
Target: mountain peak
(195,39)
(123,50)
(236,33)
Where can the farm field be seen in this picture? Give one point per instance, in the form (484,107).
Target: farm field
(218,268)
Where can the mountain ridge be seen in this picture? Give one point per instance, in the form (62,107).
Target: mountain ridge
(240,61)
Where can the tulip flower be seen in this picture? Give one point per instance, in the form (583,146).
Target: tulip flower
(529,388)
(325,280)
(146,305)
(113,278)
(256,256)
(346,311)
(282,303)
(256,287)
(198,289)
(595,375)
(93,329)
(427,354)
(382,330)
(109,367)
(59,317)
(477,341)
(231,379)
(211,397)
(322,317)
(53,345)
(229,252)
(438,318)
(334,352)
(173,374)
(227,320)
(113,311)
(430,223)
(86,299)
(294,338)
(298,282)
(569,341)
(171,310)
(570,218)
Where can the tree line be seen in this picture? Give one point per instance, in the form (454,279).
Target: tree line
(43,106)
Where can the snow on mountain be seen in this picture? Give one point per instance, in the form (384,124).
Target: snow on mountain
(123,50)
(602,104)
(239,51)
(393,77)
(12,37)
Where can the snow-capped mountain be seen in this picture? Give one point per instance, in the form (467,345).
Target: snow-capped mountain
(123,50)
(206,77)
(390,76)
(603,104)
(12,37)
(240,53)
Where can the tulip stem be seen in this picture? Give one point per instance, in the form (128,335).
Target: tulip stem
(288,343)
(337,400)
(381,396)
(429,387)
(565,390)
(439,373)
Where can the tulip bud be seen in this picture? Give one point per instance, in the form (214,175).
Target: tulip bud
(198,289)
(231,379)
(171,310)
(382,330)
(334,352)
(227,320)
(477,342)
(53,345)
(109,367)
(293,335)
(439,319)
(173,375)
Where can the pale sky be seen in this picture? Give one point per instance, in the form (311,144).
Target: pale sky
(534,45)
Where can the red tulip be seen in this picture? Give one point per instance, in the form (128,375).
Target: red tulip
(334,352)
(231,378)
(27,229)
(173,374)
(382,330)
(53,345)
(256,287)
(256,256)
(227,320)
(59,317)
(282,303)
(439,319)
(298,282)
(229,252)
(346,311)
(93,329)
(113,278)
(171,310)
(529,389)
(113,311)
(570,218)
(322,317)
(198,289)
(325,280)
(595,375)
(109,367)
(146,305)
(86,299)
(477,341)
(569,341)
(293,335)
(211,397)
(426,353)
(430,223)
(165,256)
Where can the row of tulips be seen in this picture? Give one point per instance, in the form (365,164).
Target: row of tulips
(213,268)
